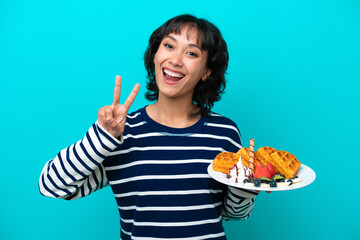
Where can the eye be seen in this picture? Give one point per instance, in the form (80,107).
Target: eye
(192,54)
(168,45)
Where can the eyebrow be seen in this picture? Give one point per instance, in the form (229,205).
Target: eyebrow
(190,44)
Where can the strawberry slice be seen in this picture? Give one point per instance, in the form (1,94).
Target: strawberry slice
(258,170)
(265,172)
(270,167)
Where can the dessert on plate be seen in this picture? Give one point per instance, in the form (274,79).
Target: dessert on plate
(267,167)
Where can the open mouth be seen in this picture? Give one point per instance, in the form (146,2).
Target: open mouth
(172,77)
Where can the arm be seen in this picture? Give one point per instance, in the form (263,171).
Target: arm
(238,203)
(77,170)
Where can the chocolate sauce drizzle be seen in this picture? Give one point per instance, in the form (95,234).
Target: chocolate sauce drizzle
(247,172)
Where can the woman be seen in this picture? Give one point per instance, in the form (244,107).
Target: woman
(155,159)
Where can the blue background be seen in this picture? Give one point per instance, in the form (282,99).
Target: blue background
(293,84)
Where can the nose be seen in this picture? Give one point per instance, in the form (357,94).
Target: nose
(176,58)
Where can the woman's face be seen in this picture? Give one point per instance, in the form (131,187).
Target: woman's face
(180,64)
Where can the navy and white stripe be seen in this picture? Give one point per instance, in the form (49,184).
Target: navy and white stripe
(158,175)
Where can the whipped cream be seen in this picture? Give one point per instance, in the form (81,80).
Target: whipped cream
(239,172)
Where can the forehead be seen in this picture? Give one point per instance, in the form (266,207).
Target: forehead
(190,31)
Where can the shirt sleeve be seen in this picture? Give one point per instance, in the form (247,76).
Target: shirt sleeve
(77,170)
(238,203)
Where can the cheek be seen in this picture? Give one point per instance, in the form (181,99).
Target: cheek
(157,66)
(197,69)
(159,56)
(155,59)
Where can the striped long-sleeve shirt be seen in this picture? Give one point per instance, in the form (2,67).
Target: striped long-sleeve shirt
(158,175)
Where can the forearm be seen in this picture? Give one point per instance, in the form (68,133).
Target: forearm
(238,203)
(77,170)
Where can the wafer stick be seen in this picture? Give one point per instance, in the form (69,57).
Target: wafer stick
(251,158)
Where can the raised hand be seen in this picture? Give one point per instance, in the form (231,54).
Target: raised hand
(113,117)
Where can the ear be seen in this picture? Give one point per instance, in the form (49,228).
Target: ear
(206,75)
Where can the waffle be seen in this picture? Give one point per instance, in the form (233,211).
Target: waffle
(263,155)
(245,157)
(286,163)
(224,161)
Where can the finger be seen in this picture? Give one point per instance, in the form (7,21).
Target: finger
(117,90)
(265,191)
(101,114)
(132,96)
(121,119)
(109,117)
(102,117)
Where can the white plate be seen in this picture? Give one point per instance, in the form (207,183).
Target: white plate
(305,173)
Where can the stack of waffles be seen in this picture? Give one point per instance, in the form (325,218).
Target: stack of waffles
(283,161)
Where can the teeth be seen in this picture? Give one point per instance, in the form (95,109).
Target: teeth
(173,74)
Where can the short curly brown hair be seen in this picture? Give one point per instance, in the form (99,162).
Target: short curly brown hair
(206,92)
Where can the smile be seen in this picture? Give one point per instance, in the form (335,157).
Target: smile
(172,77)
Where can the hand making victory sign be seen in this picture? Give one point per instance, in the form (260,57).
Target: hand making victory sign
(113,117)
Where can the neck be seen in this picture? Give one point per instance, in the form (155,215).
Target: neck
(172,113)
